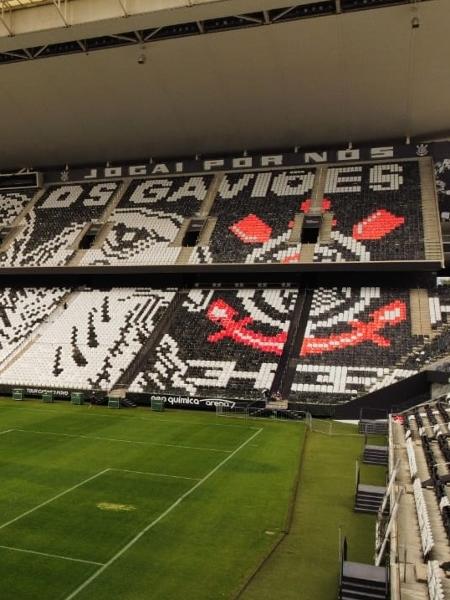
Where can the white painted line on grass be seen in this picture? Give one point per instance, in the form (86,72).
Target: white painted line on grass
(158,519)
(6,431)
(153,420)
(155,474)
(46,554)
(74,487)
(124,441)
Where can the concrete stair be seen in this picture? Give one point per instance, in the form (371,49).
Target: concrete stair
(363,582)
(296,231)
(326,227)
(318,189)
(185,255)
(117,197)
(307,253)
(206,232)
(420,312)
(430,212)
(104,226)
(375,455)
(210,196)
(369,498)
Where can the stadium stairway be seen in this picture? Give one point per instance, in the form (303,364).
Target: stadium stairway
(18,351)
(17,225)
(369,498)
(211,195)
(28,207)
(420,312)
(307,253)
(375,455)
(318,189)
(363,582)
(430,213)
(296,231)
(152,341)
(105,226)
(286,367)
(326,228)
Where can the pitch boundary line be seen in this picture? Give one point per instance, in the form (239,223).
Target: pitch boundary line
(46,554)
(63,493)
(155,474)
(178,501)
(6,431)
(124,441)
(74,487)
(155,420)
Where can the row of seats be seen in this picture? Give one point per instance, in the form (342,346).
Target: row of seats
(375,209)
(220,344)
(12,203)
(254,215)
(442,178)
(92,342)
(418,428)
(51,228)
(433,471)
(358,340)
(148,219)
(377,214)
(22,311)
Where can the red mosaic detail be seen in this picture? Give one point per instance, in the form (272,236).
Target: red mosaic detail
(377,225)
(292,258)
(326,204)
(251,230)
(221,313)
(305,206)
(390,314)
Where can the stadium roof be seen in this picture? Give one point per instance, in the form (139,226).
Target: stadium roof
(13,4)
(359,76)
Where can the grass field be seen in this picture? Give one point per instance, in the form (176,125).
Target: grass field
(306,562)
(99,504)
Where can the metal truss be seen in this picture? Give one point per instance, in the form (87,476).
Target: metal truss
(319,8)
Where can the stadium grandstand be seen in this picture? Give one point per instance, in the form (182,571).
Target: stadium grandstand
(229,219)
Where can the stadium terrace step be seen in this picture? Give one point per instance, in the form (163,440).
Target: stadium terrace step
(375,455)
(360,581)
(210,196)
(430,214)
(140,358)
(368,498)
(307,253)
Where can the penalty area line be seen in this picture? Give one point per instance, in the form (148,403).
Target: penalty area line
(32,510)
(121,440)
(155,474)
(47,555)
(164,514)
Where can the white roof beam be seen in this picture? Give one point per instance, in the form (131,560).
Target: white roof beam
(62,13)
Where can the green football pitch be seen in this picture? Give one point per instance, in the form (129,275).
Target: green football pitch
(104,504)
(100,504)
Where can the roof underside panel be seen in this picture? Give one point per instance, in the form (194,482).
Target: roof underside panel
(14,4)
(363,75)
